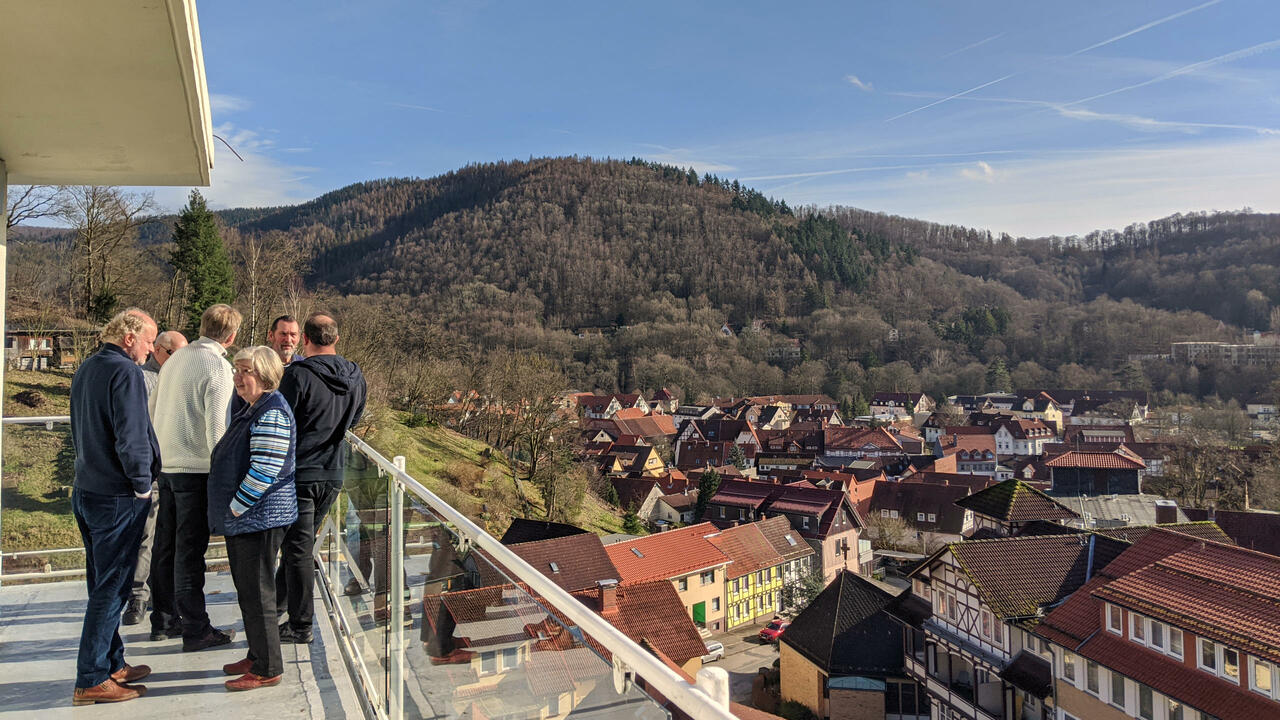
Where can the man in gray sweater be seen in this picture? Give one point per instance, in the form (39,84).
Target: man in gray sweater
(191,406)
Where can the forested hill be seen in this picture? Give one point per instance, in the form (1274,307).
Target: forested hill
(587,238)
(1225,264)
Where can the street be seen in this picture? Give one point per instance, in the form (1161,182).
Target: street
(744,655)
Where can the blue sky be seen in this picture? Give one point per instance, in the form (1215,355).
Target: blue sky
(1026,117)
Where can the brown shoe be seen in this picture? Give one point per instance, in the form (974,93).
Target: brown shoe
(108,691)
(241,667)
(249,681)
(130,673)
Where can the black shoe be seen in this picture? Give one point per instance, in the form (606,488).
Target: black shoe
(133,612)
(213,637)
(352,588)
(289,635)
(173,630)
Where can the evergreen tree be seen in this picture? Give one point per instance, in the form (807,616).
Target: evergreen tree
(737,458)
(998,376)
(631,523)
(201,258)
(708,484)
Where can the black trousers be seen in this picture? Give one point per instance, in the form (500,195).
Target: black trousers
(253,560)
(164,610)
(295,580)
(188,497)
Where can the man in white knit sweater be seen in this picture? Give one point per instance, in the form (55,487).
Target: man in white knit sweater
(191,407)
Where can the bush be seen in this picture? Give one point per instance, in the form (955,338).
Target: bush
(416,420)
(792,710)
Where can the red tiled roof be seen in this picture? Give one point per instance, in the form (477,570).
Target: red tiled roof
(748,548)
(579,560)
(1248,528)
(858,438)
(666,555)
(1119,459)
(785,541)
(651,612)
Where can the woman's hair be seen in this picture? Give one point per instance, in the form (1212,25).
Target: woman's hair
(265,363)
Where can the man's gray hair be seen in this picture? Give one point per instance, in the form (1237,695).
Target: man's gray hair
(130,320)
(220,322)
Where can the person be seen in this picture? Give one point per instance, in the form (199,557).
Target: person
(116,460)
(327,394)
(191,403)
(166,343)
(252,500)
(283,338)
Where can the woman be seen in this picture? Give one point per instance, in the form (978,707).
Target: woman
(252,500)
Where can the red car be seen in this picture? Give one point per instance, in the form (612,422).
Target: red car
(773,630)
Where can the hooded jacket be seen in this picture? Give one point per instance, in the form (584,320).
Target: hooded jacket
(327,394)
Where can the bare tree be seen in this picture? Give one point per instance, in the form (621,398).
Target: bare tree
(105,221)
(32,203)
(269,265)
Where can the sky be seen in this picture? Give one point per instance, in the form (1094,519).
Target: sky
(1030,118)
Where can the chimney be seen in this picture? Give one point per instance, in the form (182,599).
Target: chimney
(1166,512)
(608,594)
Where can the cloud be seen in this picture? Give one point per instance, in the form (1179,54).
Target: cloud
(221,104)
(981,171)
(854,81)
(683,157)
(1139,122)
(1147,26)
(981,42)
(951,97)
(259,180)
(1188,69)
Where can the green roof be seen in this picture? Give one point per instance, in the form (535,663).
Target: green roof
(1016,501)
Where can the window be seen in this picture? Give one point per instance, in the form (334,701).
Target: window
(1208,656)
(998,632)
(708,577)
(1069,666)
(1231,663)
(1219,660)
(488,662)
(1117,690)
(986,623)
(919,517)
(1175,642)
(510,657)
(1146,703)
(763,574)
(951,607)
(721,509)
(804,523)
(1137,628)
(1091,677)
(893,513)
(715,604)
(1175,710)
(1155,634)
(1262,677)
(682,584)
(884,512)
(933,517)
(1114,622)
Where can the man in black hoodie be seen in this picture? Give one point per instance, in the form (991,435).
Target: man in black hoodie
(327,394)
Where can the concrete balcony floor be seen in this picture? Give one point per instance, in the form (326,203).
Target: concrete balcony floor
(40,635)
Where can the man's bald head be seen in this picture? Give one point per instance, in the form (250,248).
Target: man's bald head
(166,343)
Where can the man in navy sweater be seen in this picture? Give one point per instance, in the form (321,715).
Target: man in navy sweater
(117,458)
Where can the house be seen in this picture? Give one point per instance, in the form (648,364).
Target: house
(974,452)
(633,422)
(896,404)
(663,401)
(1075,435)
(975,656)
(824,518)
(637,494)
(1067,399)
(1005,508)
(598,407)
(574,562)
(684,558)
(797,555)
(1086,472)
(710,442)
(626,459)
(842,655)
(1090,411)
(1262,408)
(37,347)
(1040,407)
(753,579)
(1174,627)
(1116,511)
(841,445)
(675,507)
(1022,437)
(929,511)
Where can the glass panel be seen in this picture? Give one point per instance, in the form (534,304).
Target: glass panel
(1146,706)
(479,644)
(1208,654)
(1231,663)
(1117,689)
(1262,676)
(38,474)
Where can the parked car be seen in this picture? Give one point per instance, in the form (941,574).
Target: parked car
(715,651)
(774,630)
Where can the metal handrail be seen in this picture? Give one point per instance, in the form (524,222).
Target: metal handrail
(626,653)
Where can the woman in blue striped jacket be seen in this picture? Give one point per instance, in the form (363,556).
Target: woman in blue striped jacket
(252,500)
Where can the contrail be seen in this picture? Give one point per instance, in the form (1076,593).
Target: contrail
(1094,46)
(1148,26)
(951,97)
(980,42)
(1253,50)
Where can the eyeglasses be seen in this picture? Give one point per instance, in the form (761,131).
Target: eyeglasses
(239,371)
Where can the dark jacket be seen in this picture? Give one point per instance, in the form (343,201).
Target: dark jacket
(116,449)
(228,465)
(327,394)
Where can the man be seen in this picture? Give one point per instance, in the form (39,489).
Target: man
(166,343)
(327,394)
(191,404)
(116,461)
(283,338)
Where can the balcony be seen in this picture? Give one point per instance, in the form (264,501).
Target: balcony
(410,630)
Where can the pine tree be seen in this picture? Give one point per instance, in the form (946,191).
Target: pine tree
(708,484)
(201,258)
(998,376)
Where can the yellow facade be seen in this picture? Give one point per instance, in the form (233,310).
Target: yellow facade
(802,681)
(752,596)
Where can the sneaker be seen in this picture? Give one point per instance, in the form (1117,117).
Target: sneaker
(249,681)
(297,637)
(108,692)
(133,612)
(213,637)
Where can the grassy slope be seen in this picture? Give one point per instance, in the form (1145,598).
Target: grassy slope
(38,468)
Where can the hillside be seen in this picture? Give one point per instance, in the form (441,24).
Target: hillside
(625,272)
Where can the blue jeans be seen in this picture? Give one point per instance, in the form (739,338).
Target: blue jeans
(111,527)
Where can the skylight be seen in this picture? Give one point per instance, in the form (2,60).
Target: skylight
(555,568)
(637,552)
(790,539)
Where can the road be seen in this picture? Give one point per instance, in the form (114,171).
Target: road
(744,655)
